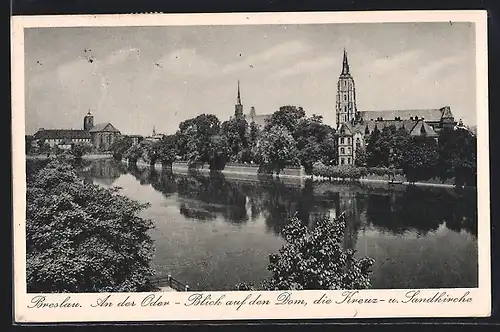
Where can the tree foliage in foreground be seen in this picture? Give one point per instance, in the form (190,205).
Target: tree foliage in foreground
(83,238)
(316,259)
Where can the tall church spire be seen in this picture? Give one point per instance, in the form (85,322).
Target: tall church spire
(345,64)
(238,98)
(346,95)
(238,108)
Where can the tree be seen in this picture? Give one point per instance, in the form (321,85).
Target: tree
(400,141)
(314,141)
(79,149)
(315,259)
(421,159)
(43,146)
(287,116)
(328,149)
(194,137)
(277,149)
(309,153)
(235,132)
(120,146)
(168,149)
(253,137)
(218,151)
(465,162)
(360,159)
(457,156)
(82,237)
(150,151)
(134,153)
(56,149)
(374,154)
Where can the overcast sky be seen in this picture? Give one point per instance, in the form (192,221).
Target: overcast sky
(160,76)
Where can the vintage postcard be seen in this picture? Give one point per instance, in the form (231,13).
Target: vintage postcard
(250,166)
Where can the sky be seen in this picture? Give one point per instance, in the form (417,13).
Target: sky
(145,77)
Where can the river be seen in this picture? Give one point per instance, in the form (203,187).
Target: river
(213,232)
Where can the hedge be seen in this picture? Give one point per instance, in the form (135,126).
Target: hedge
(350,171)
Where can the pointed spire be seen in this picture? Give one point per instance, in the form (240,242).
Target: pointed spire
(154,131)
(238,99)
(345,64)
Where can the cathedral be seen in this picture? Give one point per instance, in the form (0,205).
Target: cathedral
(355,126)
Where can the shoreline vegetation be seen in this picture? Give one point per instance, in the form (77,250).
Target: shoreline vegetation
(382,177)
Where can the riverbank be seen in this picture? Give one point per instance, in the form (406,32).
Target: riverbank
(84,157)
(368,180)
(251,171)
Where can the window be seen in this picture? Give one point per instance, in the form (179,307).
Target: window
(348,150)
(341,161)
(345,97)
(342,150)
(348,161)
(348,140)
(342,140)
(345,108)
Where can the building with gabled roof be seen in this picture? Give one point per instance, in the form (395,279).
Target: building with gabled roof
(103,135)
(61,137)
(100,136)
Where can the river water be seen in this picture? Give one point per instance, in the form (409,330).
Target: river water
(213,232)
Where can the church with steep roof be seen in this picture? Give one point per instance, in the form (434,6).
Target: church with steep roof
(355,126)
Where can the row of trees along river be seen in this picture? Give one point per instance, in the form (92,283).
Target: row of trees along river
(289,138)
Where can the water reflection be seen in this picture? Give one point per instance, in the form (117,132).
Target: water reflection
(214,231)
(414,209)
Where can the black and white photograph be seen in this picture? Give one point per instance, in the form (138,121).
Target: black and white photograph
(252,157)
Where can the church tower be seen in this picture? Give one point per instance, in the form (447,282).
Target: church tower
(346,95)
(238,108)
(88,121)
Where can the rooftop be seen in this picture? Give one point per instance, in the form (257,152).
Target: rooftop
(61,134)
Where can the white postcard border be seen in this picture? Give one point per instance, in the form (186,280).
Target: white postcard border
(479,306)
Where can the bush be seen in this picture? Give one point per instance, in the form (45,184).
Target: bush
(343,172)
(315,259)
(83,238)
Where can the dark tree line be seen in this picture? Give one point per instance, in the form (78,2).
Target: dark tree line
(451,156)
(289,138)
